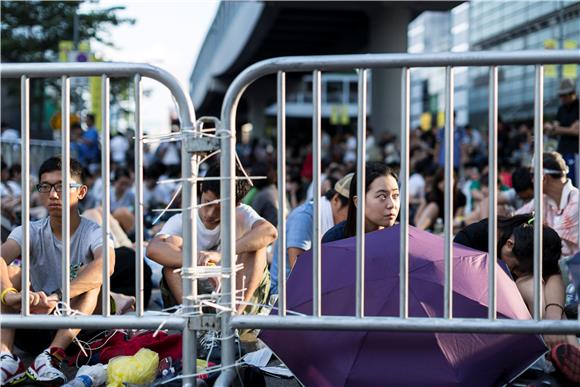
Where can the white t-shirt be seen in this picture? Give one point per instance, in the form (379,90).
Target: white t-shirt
(210,239)
(416,186)
(119,147)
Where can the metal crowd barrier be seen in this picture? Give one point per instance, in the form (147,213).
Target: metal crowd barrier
(189,166)
(361,63)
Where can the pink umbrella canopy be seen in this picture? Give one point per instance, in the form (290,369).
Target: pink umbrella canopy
(356,358)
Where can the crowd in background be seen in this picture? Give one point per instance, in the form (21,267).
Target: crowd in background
(161,199)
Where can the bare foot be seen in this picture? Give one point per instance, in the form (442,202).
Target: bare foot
(123,303)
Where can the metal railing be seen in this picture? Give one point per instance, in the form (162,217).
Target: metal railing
(189,168)
(316,64)
(226,134)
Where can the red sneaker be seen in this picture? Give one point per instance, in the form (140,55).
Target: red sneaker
(566,357)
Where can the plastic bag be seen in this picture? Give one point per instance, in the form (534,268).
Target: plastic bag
(140,368)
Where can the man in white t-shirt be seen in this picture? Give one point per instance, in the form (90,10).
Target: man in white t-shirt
(86,260)
(253,236)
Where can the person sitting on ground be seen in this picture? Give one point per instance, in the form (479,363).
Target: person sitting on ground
(123,199)
(123,281)
(86,261)
(560,202)
(253,236)
(433,207)
(265,201)
(333,210)
(515,247)
(382,203)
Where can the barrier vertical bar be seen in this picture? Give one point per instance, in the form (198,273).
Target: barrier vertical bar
(360,191)
(227,188)
(106,176)
(316,128)
(189,264)
(404,184)
(25,182)
(139,292)
(492,162)
(281,161)
(449,158)
(538,189)
(65,194)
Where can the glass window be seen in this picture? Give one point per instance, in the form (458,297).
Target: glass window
(334,92)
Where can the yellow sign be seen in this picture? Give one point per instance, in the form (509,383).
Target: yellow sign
(64,49)
(550,71)
(56,120)
(95,88)
(339,115)
(570,70)
(425,121)
(440,119)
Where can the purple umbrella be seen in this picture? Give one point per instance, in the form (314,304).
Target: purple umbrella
(363,358)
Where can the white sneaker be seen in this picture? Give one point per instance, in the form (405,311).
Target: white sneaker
(46,369)
(12,369)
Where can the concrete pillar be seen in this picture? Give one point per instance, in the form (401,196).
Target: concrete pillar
(256,110)
(388,34)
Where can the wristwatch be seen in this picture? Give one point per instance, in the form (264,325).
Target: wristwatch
(58,293)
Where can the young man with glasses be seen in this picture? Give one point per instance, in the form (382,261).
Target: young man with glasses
(86,260)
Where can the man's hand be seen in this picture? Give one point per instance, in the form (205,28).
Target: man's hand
(209,258)
(39,302)
(45,304)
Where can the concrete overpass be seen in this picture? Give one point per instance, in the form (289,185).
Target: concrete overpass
(243,33)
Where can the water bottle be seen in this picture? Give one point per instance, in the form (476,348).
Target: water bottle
(89,376)
(80,381)
(438,228)
(570,294)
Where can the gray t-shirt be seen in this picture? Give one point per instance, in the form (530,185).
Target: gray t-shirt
(46,250)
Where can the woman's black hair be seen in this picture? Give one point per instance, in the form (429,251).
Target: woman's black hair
(264,170)
(524,250)
(506,226)
(373,170)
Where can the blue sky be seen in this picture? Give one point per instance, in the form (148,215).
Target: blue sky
(168,34)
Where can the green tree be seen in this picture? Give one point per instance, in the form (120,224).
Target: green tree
(31,32)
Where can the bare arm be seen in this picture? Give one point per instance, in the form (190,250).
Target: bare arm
(571,130)
(261,235)
(91,275)
(426,218)
(293,253)
(554,293)
(166,250)
(10,250)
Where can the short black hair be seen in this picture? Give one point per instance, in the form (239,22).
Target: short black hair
(522,179)
(524,250)
(55,164)
(122,172)
(213,185)
(264,169)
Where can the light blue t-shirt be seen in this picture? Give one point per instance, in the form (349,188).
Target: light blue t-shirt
(46,250)
(298,235)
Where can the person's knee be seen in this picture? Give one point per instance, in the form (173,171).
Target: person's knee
(86,302)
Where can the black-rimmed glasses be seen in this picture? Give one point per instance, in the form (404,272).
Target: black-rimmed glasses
(47,187)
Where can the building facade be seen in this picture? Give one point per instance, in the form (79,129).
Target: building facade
(493,26)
